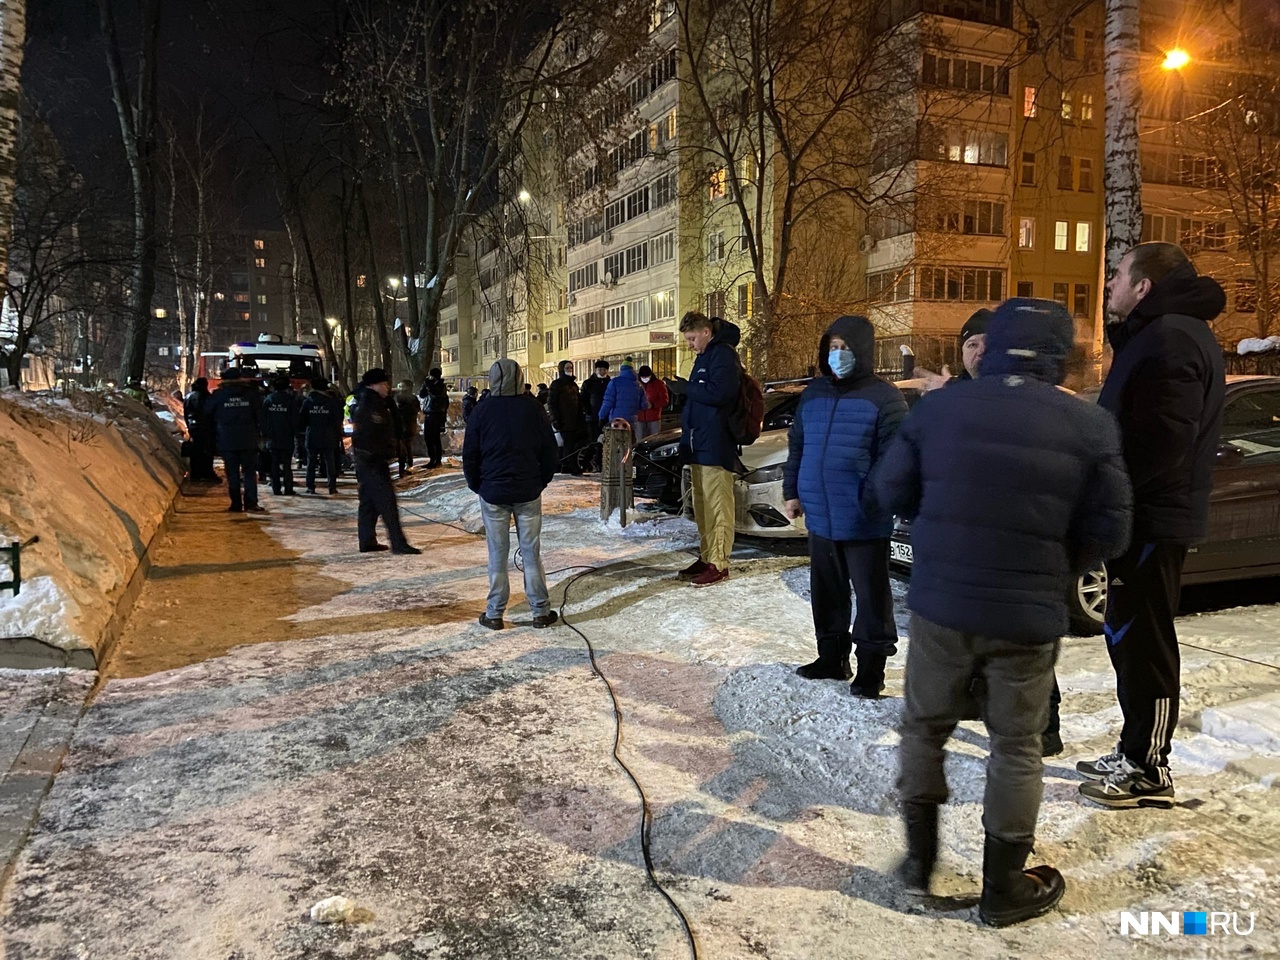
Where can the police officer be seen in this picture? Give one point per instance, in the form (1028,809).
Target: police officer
(373,442)
(322,413)
(280,412)
(237,423)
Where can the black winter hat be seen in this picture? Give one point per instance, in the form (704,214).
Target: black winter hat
(376,375)
(976,324)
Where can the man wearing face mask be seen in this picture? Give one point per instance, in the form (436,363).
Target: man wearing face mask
(649,419)
(843,424)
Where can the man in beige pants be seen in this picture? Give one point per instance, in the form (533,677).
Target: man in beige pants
(707,443)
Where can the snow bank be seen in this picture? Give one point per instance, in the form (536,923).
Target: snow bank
(92,476)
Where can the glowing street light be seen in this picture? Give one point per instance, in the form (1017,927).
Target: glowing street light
(331,321)
(524,196)
(1175,59)
(393,283)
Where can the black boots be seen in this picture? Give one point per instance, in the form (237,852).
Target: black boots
(1010,893)
(921,821)
(826,670)
(869,682)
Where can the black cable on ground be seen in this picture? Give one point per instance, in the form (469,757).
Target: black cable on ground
(646,812)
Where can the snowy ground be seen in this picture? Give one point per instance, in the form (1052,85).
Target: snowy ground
(457,783)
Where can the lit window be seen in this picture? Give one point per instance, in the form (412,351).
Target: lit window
(262,298)
(1028,101)
(361,280)
(259,245)
(161,313)
(219,295)
(1086,108)
(1026,233)
(1060,229)
(1068,107)
(260,263)
(719,183)
(1084,237)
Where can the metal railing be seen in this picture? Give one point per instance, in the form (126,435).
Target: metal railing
(15,564)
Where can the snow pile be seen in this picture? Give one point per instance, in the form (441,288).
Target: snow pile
(92,476)
(1253,724)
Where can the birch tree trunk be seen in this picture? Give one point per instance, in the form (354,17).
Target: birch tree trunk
(1122,166)
(13,14)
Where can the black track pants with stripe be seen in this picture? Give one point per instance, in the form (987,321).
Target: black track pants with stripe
(1142,600)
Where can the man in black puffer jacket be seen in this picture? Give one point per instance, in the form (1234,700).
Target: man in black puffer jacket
(373,444)
(1166,387)
(1013,487)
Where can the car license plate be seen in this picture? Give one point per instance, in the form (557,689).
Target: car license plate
(899,551)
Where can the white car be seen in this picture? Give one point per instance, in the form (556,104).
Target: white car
(757,493)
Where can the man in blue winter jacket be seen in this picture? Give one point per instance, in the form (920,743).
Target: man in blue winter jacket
(509,455)
(707,442)
(236,411)
(623,396)
(1013,487)
(845,420)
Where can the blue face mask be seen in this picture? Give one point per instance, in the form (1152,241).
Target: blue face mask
(841,362)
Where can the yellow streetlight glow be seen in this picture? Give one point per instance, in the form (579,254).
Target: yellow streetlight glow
(331,321)
(393,282)
(1175,59)
(525,196)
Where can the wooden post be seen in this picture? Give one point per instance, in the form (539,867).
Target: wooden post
(615,473)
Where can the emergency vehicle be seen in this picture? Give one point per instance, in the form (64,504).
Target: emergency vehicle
(265,359)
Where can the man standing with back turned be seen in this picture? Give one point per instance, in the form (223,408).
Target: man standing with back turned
(373,444)
(1013,487)
(1166,387)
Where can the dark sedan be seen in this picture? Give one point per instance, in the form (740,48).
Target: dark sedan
(657,458)
(1244,509)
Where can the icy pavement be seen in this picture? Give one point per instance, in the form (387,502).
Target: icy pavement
(457,785)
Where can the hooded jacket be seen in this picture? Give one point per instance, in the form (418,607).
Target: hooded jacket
(655,392)
(407,409)
(622,397)
(591,394)
(1166,387)
(509,453)
(236,410)
(840,428)
(435,398)
(1013,485)
(563,404)
(710,397)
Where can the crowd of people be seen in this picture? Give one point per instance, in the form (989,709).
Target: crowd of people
(1011,485)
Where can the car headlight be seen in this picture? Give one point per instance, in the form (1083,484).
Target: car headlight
(765,475)
(665,451)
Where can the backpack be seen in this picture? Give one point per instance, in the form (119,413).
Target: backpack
(746,420)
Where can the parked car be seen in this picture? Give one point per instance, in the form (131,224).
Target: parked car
(657,458)
(757,493)
(1243,541)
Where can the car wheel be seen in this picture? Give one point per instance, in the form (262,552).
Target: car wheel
(1087,602)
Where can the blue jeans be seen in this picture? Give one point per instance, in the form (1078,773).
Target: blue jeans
(497,531)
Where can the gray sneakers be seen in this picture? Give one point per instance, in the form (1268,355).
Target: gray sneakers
(1101,768)
(1127,787)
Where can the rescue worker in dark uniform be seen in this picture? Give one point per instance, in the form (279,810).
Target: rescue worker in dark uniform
(197,411)
(322,414)
(237,420)
(373,443)
(281,412)
(407,407)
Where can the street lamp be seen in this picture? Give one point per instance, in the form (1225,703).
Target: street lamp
(524,196)
(1175,59)
(393,283)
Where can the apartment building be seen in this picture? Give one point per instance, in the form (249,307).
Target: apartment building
(1013,100)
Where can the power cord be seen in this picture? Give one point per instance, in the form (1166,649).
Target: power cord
(646,817)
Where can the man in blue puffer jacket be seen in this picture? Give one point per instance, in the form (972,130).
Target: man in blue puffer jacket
(622,397)
(707,442)
(1013,487)
(845,420)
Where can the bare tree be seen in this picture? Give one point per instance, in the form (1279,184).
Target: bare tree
(1121,168)
(135,101)
(13,15)
(448,87)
